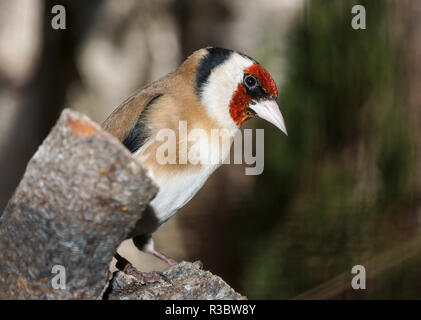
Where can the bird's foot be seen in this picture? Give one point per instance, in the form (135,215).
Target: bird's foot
(143,277)
(146,277)
(198,264)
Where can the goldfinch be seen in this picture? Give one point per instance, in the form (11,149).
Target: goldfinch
(213,89)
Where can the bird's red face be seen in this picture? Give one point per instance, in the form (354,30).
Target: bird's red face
(234,88)
(255,96)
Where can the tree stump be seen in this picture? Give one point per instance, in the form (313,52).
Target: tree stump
(80,196)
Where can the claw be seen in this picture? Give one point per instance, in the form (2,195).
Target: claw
(198,264)
(146,277)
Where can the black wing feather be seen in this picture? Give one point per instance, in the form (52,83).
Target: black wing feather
(140,131)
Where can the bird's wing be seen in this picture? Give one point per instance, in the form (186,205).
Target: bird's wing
(125,122)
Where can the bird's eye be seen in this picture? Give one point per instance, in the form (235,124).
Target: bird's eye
(250,81)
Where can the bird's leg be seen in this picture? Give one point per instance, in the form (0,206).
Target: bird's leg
(163,257)
(143,277)
(146,244)
(169,260)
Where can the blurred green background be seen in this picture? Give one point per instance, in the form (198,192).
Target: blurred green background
(343,189)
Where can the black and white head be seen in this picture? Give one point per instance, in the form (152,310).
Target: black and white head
(234,88)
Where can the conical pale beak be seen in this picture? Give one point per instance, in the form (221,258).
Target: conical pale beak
(269,110)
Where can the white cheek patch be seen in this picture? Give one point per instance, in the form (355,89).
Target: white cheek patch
(220,87)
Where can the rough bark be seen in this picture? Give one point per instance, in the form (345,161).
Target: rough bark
(186,282)
(80,197)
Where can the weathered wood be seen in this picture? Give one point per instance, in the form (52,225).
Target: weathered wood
(80,196)
(186,282)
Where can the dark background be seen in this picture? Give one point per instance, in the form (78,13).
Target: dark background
(342,189)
